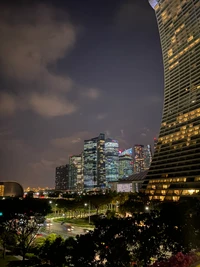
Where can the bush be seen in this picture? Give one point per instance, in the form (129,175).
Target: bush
(179,260)
(31,256)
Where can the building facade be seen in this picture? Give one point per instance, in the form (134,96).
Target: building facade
(128,151)
(111,160)
(133,183)
(76,172)
(155,142)
(147,157)
(175,169)
(101,174)
(11,189)
(94,162)
(62,178)
(125,165)
(138,158)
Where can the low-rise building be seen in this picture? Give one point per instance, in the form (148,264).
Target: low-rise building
(11,189)
(133,183)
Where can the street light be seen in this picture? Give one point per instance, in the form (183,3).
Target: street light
(147,208)
(55,208)
(88,210)
(50,202)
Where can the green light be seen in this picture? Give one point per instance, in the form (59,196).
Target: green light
(1,213)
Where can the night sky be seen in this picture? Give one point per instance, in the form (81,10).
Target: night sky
(70,70)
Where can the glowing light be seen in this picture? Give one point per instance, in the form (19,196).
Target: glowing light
(191,191)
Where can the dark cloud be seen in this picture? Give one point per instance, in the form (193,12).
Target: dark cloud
(31,40)
(59,86)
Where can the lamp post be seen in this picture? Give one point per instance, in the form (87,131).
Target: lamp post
(88,210)
(147,208)
(55,208)
(50,202)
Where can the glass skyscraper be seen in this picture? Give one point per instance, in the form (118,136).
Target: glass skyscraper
(128,151)
(62,177)
(125,165)
(147,157)
(175,169)
(101,175)
(138,158)
(111,160)
(76,172)
(94,162)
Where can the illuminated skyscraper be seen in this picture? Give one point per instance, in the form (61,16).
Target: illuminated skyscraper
(128,151)
(138,158)
(101,175)
(147,157)
(94,162)
(62,177)
(76,172)
(125,165)
(175,169)
(111,160)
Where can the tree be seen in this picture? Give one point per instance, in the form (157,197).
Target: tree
(134,203)
(7,236)
(98,200)
(53,250)
(26,230)
(30,206)
(56,251)
(84,252)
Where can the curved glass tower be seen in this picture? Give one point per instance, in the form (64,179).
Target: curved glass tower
(175,169)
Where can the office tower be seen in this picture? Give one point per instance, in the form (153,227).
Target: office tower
(76,172)
(62,177)
(155,142)
(128,151)
(101,175)
(175,169)
(111,160)
(138,158)
(94,162)
(125,165)
(147,157)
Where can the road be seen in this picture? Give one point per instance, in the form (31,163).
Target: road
(59,229)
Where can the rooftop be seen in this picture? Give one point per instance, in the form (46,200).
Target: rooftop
(135,177)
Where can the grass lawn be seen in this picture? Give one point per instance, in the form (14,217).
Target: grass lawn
(8,258)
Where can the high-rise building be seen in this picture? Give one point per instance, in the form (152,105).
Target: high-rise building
(111,160)
(76,172)
(175,169)
(128,151)
(147,157)
(62,177)
(101,175)
(94,162)
(125,165)
(138,158)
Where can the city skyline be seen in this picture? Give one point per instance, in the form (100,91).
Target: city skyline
(105,74)
(101,164)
